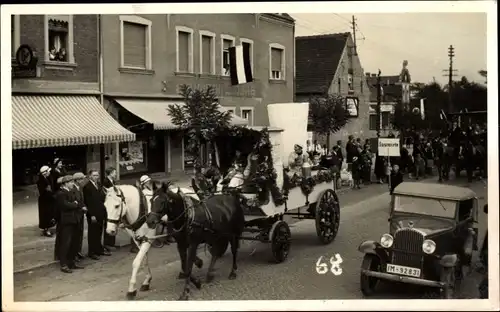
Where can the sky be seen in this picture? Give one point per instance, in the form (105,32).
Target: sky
(385,40)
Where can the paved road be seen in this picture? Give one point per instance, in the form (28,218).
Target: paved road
(363,216)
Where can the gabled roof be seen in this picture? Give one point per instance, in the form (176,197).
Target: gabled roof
(281,16)
(317,59)
(384,80)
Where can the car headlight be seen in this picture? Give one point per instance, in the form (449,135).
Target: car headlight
(428,246)
(386,240)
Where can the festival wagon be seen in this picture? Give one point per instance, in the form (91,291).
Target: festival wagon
(276,192)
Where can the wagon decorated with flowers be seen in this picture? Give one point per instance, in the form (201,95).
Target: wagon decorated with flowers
(270,190)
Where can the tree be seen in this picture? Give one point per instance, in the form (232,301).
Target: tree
(328,115)
(469,95)
(200,117)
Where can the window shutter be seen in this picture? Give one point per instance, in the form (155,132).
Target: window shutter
(373,122)
(276,55)
(386,118)
(206,45)
(184,51)
(134,45)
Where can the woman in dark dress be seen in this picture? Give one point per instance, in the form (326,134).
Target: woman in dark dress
(45,202)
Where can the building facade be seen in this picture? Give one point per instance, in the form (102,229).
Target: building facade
(146,58)
(329,64)
(56,108)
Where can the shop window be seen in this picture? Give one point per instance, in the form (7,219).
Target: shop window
(133,156)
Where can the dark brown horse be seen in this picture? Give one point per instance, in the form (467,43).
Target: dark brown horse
(216,221)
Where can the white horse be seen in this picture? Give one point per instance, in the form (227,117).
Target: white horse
(123,203)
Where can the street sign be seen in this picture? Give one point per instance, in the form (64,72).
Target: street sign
(388,147)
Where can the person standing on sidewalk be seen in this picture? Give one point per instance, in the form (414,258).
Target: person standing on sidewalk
(46,217)
(56,173)
(68,224)
(79,179)
(351,151)
(93,196)
(109,181)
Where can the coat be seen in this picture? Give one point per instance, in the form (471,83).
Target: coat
(396,179)
(54,175)
(78,196)
(351,151)
(107,183)
(46,211)
(68,208)
(94,201)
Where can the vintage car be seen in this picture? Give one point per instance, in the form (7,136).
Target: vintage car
(433,231)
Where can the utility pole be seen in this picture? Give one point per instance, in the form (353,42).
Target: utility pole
(450,73)
(355,48)
(379,103)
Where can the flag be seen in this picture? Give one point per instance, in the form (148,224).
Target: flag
(442,115)
(422,109)
(240,66)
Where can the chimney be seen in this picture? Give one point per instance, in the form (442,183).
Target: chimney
(374,75)
(367,74)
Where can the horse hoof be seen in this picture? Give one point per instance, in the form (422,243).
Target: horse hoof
(145,287)
(232,275)
(131,295)
(199,263)
(210,278)
(197,283)
(182,275)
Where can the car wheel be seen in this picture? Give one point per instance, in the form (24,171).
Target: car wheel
(448,277)
(368,283)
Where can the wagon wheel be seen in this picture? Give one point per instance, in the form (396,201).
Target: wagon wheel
(327,216)
(280,241)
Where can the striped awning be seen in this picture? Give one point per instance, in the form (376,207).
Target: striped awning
(46,120)
(156,112)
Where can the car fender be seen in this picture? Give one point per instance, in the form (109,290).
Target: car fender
(449,261)
(374,248)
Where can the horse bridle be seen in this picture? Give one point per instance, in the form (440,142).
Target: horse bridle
(122,202)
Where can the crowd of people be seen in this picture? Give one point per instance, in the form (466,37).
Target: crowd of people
(65,201)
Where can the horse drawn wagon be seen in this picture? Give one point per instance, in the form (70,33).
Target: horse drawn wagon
(273,191)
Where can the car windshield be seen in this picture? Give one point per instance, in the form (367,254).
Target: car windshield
(425,206)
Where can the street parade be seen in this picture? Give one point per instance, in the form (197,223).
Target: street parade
(206,197)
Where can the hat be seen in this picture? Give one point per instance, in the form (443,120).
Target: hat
(78,176)
(65,179)
(297,146)
(144,179)
(45,169)
(56,161)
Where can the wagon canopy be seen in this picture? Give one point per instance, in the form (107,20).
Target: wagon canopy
(432,190)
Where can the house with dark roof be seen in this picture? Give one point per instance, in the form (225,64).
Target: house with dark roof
(329,64)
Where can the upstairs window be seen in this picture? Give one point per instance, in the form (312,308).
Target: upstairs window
(59,29)
(184,49)
(227,42)
(135,42)
(276,62)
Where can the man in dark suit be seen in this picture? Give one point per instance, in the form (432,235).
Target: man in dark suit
(79,180)
(69,210)
(93,197)
(109,181)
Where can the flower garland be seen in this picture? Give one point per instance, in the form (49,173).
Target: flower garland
(307,184)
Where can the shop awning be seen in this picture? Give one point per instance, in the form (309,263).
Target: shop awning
(156,112)
(45,121)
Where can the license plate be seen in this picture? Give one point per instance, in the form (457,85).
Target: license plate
(403,270)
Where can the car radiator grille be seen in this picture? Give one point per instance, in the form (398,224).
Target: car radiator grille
(407,248)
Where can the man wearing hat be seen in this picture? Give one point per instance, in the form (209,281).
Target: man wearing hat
(68,224)
(297,158)
(46,217)
(79,182)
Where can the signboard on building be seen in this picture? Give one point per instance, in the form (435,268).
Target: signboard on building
(388,147)
(25,65)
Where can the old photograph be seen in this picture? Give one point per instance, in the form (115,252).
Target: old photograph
(336,155)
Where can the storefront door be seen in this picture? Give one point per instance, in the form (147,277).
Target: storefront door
(176,150)
(156,152)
